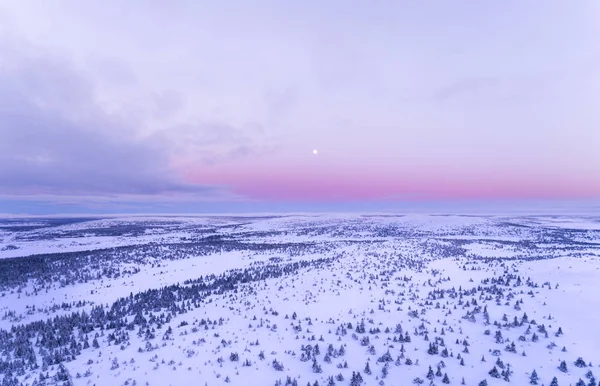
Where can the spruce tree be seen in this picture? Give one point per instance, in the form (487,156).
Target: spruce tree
(533,379)
(563,366)
(580,362)
(446,380)
(494,372)
(430,374)
(316,367)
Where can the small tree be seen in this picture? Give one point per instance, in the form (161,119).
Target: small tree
(593,382)
(316,367)
(563,366)
(115,364)
(589,374)
(533,379)
(430,374)
(494,372)
(580,363)
(277,365)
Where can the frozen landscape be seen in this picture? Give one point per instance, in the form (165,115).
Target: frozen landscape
(302,193)
(300,300)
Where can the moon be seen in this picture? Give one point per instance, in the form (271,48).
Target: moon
(315,152)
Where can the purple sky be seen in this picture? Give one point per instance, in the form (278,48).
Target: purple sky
(105,104)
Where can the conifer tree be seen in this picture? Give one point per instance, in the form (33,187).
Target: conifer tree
(430,374)
(563,366)
(446,380)
(494,372)
(533,379)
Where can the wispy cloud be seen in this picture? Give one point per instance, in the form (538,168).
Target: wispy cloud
(57,140)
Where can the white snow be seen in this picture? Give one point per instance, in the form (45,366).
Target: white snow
(383,268)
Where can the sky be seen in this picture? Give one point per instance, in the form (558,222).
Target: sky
(202,106)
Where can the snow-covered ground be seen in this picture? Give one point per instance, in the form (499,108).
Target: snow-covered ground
(247,300)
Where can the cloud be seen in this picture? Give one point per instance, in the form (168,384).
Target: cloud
(210,143)
(520,85)
(57,140)
(281,102)
(167,103)
(111,71)
(465,86)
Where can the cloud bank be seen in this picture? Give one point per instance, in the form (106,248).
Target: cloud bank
(56,138)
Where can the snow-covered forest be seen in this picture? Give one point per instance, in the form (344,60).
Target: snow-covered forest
(300,300)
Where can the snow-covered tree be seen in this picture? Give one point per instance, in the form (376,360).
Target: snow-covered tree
(534,378)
